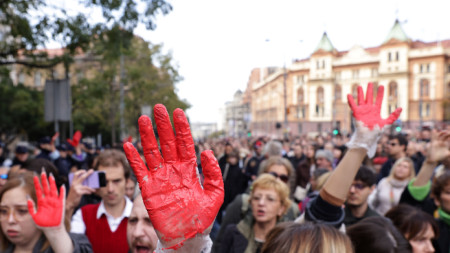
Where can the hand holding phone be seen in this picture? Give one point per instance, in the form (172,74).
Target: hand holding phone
(94,179)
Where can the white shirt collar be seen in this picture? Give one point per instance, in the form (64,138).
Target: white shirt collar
(126,212)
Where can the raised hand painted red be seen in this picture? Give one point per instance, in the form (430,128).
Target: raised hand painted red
(76,139)
(178,206)
(368,112)
(50,206)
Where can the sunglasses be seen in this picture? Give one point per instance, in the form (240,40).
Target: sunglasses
(393,144)
(282,177)
(4,176)
(358,186)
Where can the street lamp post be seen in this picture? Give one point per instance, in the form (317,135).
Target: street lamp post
(285,102)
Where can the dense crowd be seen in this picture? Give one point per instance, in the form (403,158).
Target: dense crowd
(374,190)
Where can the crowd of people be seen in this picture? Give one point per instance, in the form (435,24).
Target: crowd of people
(369,191)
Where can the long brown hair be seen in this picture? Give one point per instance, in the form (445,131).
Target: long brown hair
(293,237)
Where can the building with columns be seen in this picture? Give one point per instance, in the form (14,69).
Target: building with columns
(415,74)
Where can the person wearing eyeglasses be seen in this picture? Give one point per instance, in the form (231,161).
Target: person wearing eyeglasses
(396,149)
(357,206)
(269,199)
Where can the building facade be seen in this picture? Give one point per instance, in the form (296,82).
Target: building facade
(415,76)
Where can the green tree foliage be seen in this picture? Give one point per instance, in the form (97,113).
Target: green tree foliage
(150,78)
(21,110)
(28,25)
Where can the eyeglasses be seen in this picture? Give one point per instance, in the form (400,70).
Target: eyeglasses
(358,186)
(393,144)
(4,176)
(282,177)
(19,213)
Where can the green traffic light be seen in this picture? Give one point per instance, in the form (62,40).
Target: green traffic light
(335,131)
(398,129)
(249,134)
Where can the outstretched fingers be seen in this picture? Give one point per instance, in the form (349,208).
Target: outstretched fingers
(165,132)
(393,117)
(369,94)
(361,100)
(149,143)
(185,143)
(213,184)
(380,96)
(138,166)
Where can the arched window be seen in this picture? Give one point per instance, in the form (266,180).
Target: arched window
(424,87)
(337,92)
(320,102)
(393,91)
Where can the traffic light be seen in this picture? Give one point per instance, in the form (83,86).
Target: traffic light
(249,134)
(335,131)
(398,129)
(398,126)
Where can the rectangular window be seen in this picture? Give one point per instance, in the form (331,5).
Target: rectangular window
(374,72)
(355,74)
(396,56)
(428,68)
(338,75)
(389,56)
(421,68)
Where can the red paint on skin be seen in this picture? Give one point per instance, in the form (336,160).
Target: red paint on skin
(367,111)
(176,202)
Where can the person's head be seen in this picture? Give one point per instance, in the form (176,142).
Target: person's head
(140,232)
(298,149)
(115,165)
(279,167)
(17,226)
(233,157)
(273,148)
(310,151)
(418,227)
(293,237)
(324,159)
(258,147)
(63,149)
(22,153)
(328,146)
(130,188)
(44,143)
(228,148)
(377,234)
(363,185)
(403,169)
(440,190)
(397,145)
(269,199)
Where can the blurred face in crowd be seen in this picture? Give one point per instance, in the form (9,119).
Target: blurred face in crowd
(394,148)
(130,188)
(114,191)
(402,171)
(298,150)
(141,235)
(422,242)
(280,172)
(322,162)
(358,193)
(309,152)
(22,157)
(266,205)
(444,199)
(16,222)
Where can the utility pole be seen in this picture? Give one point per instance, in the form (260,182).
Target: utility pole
(285,101)
(121,99)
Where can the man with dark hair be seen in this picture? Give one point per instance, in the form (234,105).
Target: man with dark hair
(356,207)
(396,149)
(105,224)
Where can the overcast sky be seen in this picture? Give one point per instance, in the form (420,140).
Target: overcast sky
(217,43)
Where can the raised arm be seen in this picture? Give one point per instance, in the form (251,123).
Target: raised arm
(439,150)
(181,210)
(369,126)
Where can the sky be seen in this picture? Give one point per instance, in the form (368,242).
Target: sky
(216,43)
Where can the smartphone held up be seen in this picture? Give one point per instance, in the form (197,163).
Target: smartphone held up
(95,180)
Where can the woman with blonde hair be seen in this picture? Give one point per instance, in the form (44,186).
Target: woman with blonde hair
(389,189)
(291,237)
(269,199)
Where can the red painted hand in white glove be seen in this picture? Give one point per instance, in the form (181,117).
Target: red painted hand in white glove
(50,205)
(369,124)
(178,206)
